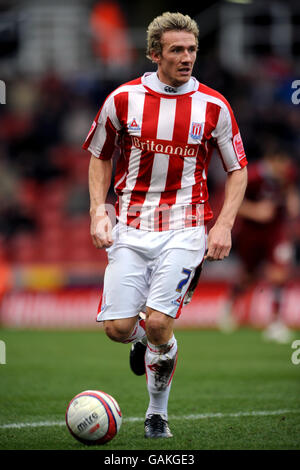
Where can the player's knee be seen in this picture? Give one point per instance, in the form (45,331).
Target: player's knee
(116,330)
(157,326)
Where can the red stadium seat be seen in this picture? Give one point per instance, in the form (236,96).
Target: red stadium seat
(24,248)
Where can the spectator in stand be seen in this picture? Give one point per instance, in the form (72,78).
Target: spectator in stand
(263,240)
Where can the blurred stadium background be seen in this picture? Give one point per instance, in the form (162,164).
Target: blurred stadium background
(58,61)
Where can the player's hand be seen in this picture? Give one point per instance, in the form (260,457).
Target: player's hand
(101,231)
(264,211)
(218,243)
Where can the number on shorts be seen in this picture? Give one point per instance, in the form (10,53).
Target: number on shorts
(183,281)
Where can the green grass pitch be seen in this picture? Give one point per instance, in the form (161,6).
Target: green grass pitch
(230,391)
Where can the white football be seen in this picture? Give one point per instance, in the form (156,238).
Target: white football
(93,417)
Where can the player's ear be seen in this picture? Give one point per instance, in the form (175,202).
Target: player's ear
(155,57)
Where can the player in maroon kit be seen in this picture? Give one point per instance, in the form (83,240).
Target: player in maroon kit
(164,127)
(263,239)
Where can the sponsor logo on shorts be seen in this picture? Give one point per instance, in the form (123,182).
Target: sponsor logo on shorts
(103,307)
(177,301)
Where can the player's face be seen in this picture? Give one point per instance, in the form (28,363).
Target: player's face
(176,61)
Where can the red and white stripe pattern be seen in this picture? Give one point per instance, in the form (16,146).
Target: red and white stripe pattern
(165,140)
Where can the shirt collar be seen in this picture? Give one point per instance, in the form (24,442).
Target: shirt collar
(151,80)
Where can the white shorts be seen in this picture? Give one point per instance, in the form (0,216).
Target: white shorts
(152,269)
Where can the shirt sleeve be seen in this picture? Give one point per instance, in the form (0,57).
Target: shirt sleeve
(229,142)
(102,138)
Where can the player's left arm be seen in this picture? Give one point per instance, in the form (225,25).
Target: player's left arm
(293,202)
(230,146)
(219,237)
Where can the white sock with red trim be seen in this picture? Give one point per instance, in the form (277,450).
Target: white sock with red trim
(160,366)
(138,333)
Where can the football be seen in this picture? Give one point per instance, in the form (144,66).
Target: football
(93,417)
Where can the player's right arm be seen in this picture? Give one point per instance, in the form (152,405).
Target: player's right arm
(259,211)
(100,174)
(101,143)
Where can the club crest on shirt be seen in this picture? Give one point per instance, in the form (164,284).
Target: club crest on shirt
(196,130)
(134,125)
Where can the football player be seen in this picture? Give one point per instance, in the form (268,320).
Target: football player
(164,126)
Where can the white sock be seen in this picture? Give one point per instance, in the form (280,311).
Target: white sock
(160,366)
(138,333)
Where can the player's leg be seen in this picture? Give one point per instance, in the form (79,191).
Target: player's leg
(160,361)
(125,330)
(138,350)
(277,330)
(123,295)
(277,272)
(170,280)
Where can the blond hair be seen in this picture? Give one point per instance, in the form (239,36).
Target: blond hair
(168,22)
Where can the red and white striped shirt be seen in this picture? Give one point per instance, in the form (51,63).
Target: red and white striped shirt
(165,137)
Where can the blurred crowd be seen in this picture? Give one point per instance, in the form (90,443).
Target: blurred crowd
(44,194)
